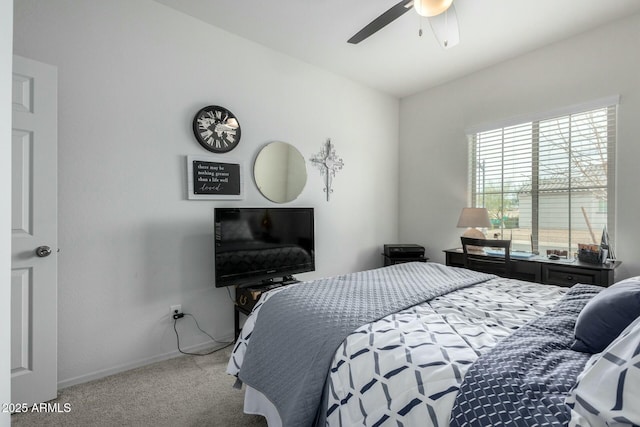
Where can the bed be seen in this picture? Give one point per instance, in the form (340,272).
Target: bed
(249,255)
(420,344)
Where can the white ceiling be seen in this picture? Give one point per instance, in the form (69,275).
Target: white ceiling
(395,60)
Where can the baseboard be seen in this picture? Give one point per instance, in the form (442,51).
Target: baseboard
(211,345)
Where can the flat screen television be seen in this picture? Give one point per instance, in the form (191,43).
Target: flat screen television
(254,245)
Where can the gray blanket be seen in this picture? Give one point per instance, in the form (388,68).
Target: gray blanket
(299,329)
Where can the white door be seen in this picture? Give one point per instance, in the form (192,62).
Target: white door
(34,220)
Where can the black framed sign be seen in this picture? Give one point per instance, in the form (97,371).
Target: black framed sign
(212,178)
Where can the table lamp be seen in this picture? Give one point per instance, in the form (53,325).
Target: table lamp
(472,218)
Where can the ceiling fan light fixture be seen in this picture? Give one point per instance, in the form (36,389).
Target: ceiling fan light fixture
(430,8)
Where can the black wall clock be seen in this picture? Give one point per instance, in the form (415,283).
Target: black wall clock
(216,129)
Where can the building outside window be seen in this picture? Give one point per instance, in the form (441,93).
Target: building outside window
(548,183)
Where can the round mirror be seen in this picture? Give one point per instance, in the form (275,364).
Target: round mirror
(280,172)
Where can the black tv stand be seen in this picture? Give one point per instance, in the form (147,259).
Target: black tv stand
(270,283)
(247,296)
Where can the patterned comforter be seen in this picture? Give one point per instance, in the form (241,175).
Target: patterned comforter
(406,368)
(525,379)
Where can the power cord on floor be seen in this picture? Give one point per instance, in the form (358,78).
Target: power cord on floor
(175,320)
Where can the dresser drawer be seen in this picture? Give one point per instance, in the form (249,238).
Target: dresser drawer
(524,270)
(567,276)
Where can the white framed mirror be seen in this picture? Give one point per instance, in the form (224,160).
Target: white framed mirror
(280,172)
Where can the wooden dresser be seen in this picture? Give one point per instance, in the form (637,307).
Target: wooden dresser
(551,272)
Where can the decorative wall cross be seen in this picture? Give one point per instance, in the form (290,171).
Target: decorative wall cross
(328,163)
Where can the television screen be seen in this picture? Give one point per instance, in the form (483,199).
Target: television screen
(254,245)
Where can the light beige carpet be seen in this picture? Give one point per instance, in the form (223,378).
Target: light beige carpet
(185,391)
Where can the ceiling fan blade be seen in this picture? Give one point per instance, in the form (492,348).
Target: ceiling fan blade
(382,21)
(445,28)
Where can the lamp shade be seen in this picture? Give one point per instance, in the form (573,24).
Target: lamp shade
(430,8)
(474,217)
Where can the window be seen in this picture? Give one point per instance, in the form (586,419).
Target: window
(547,183)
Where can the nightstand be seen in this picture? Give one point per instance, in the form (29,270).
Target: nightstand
(399,253)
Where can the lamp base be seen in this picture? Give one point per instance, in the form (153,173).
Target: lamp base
(474,233)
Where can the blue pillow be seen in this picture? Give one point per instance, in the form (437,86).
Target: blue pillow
(606,315)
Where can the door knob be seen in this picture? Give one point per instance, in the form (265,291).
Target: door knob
(43,251)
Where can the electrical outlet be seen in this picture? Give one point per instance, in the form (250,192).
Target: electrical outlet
(176,309)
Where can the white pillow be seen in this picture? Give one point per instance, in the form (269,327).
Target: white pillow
(608,390)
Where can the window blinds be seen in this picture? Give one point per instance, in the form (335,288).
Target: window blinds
(547,184)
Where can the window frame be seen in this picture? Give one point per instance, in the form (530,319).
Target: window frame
(611,106)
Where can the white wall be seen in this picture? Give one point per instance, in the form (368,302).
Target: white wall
(131,77)
(433,145)
(6,37)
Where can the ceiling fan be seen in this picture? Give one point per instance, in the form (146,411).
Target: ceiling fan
(441,14)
